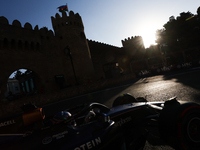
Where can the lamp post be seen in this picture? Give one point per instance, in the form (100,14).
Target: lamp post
(70,56)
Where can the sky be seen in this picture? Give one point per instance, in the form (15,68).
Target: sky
(105,21)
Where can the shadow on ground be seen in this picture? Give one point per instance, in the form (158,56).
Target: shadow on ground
(189,78)
(101,96)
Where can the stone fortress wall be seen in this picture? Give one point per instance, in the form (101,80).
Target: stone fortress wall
(44,51)
(63,52)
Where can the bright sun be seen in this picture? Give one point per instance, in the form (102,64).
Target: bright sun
(148,31)
(148,36)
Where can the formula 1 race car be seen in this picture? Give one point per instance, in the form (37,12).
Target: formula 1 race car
(95,126)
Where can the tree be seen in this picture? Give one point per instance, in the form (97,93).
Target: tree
(18,74)
(178,33)
(27,72)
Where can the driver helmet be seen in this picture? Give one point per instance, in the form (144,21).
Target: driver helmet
(90,116)
(61,116)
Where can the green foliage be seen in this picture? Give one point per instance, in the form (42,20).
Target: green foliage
(19,74)
(178,33)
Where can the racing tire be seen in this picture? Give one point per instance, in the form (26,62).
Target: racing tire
(127,99)
(179,125)
(124,99)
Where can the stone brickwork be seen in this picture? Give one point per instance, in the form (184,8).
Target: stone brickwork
(102,54)
(46,53)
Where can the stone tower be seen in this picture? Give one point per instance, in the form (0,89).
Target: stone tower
(44,52)
(70,32)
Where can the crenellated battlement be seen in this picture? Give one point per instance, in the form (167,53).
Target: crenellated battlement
(100,43)
(132,38)
(73,20)
(133,41)
(44,51)
(16,36)
(16,23)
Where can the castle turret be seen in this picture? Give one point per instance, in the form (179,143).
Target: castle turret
(133,42)
(70,32)
(134,48)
